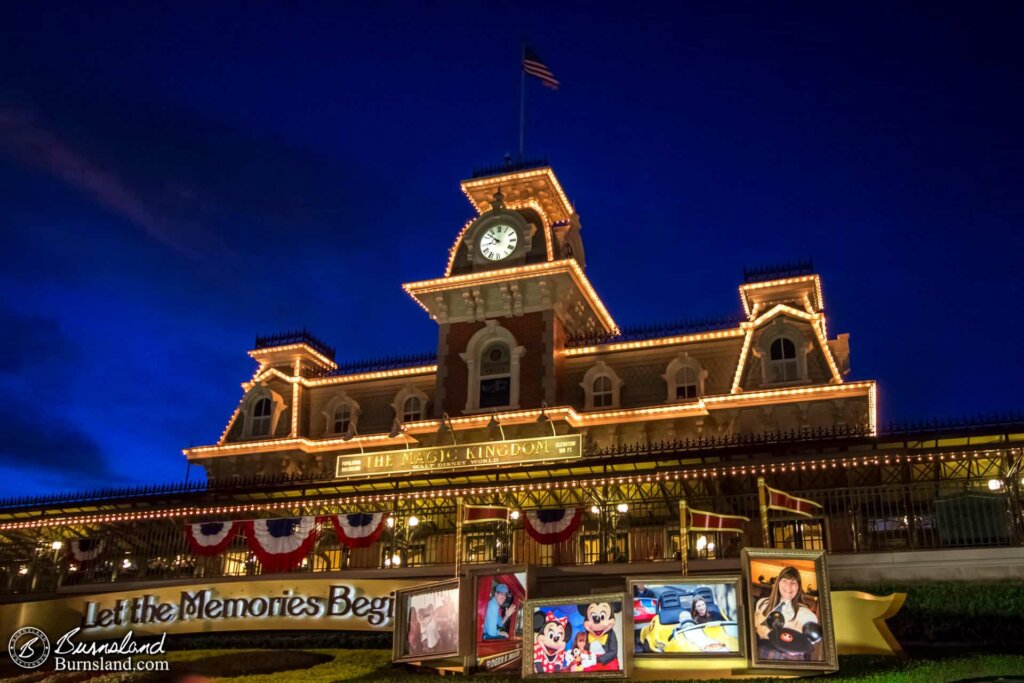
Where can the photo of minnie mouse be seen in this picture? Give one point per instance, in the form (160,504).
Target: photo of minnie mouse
(575,636)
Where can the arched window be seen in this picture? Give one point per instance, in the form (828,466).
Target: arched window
(782,360)
(603,393)
(684,378)
(495,376)
(686,383)
(262,412)
(412,410)
(342,418)
(493,359)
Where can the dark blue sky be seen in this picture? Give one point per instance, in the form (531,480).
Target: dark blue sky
(177,179)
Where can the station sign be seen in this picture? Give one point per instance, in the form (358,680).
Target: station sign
(461,456)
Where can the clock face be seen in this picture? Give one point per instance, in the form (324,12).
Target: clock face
(498,242)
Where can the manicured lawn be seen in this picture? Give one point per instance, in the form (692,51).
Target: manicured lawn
(374,666)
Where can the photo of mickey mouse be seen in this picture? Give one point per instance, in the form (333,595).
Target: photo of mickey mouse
(578,636)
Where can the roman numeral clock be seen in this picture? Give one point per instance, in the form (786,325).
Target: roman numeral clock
(500,238)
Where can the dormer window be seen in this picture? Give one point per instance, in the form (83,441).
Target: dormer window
(684,378)
(686,383)
(601,387)
(782,360)
(495,376)
(261,409)
(603,392)
(342,418)
(412,410)
(262,412)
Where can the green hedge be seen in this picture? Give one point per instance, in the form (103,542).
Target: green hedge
(984,615)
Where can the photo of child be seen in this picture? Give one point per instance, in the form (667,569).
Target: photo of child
(576,636)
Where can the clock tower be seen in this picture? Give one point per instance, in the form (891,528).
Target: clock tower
(513,289)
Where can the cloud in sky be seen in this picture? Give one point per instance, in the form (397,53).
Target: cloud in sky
(22,137)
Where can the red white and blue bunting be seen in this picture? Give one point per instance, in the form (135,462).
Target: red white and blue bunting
(85,549)
(210,538)
(552,525)
(358,530)
(280,544)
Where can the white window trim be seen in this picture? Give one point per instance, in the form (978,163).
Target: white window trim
(406,392)
(254,396)
(332,406)
(762,350)
(491,332)
(601,369)
(683,360)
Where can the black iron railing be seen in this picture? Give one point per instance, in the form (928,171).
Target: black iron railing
(510,165)
(382,364)
(656,331)
(302,336)
(778,271)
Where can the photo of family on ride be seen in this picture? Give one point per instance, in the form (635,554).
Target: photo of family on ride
(788,616)
(499,619)
(684,618)
(578,636)
(432,619)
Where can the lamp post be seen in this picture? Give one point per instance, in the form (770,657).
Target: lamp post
(401,533)
(609,517)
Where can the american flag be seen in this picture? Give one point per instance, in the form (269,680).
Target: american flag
(534,67)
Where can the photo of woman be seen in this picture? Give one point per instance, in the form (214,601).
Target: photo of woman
(790,616)
(680,618)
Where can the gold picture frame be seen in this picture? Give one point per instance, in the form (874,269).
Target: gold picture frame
(724,629)
(568,608)
(448,594)
(792,643)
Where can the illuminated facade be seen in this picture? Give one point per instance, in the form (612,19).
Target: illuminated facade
(535,399)
(521,331)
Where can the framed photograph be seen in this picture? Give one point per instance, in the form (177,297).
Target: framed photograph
(789,611)
(427,622)
(678,616)
(580,636)
(499,597)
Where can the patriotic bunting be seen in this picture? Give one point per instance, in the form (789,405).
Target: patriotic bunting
(85,549)
(780,500)
(711,521)
(478,514)
(207,539)
(280,544)
(358,530)
(553,525)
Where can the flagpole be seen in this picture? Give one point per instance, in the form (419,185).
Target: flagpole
(684,534)
(762,500)
(522,99)
(458,536)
